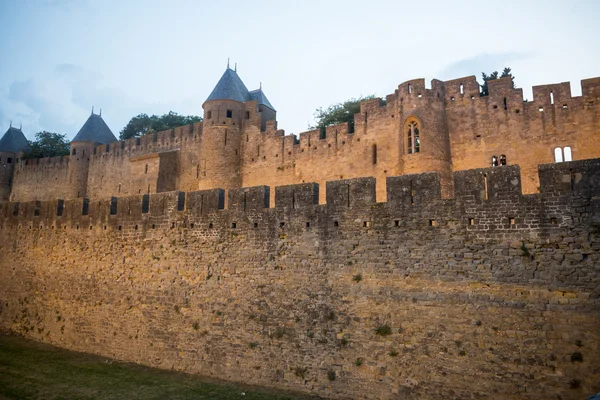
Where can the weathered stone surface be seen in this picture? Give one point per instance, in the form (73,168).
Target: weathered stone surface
(476,305)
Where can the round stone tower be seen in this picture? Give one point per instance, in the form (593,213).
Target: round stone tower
(11,145)
(222,132)
(92,133)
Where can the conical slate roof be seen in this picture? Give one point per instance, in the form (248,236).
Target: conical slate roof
(231,87)
(13,141)
(259,95)
(95,130)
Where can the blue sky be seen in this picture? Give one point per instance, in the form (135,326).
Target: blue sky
(61,57)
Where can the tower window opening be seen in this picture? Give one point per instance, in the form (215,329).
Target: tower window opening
(374,154)
(85,207)
(247,114)
(208,114)
(494,161)
(462,89)
(113,206)
(74,152)
(505,105)
(502,159)
(229,114)
(145,203)
(551,97)
(409,88)
(414,141)
(146,169)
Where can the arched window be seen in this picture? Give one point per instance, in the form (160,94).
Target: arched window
(502,159)
(558,155)
(494,161)
(414,142)
(563,154)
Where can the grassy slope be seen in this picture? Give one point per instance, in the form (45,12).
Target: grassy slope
(31,370)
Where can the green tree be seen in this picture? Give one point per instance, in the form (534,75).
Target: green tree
(143,124)
(47,144)
(338,113)
(494,75)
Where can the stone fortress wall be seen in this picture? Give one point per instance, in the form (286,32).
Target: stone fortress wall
(459,130)
(492,293)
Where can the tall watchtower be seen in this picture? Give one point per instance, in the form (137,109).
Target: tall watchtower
(12,143)
(226,114)
(92,133)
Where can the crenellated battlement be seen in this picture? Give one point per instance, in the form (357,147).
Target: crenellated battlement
(150,143)
(490,191)
(456,129)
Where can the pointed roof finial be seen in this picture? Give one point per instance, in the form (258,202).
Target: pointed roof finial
(92,110)
(100,113)
(235,66)
(10,124)
(21,127)
(228,62)
(260,86)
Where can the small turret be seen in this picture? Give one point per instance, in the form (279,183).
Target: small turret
(225,116)
(12,143)
(92,133)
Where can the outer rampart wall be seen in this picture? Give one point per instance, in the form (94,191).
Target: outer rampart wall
(493,293)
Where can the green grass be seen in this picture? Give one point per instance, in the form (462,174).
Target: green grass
(31,370)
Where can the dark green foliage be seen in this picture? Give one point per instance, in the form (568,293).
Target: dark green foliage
(338,113)
(357,278)
(494,75)
(525,250)
(143,124)
(383,330)
(393,353)
(47,144)
(331,375)
(359,361)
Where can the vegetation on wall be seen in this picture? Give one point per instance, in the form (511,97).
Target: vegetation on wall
(47,144)
(338,113)
(494,75)
(143,124)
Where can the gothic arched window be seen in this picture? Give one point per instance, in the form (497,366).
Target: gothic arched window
(414,142)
